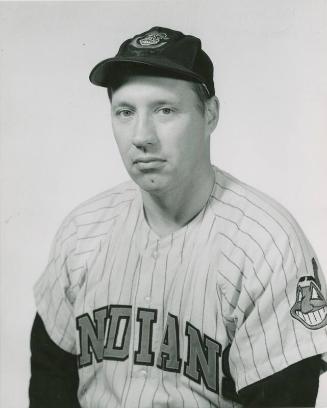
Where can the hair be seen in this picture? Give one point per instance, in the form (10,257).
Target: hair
(127,70)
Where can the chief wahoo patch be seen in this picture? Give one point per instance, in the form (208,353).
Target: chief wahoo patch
(310,307)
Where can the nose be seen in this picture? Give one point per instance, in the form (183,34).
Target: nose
(144,132)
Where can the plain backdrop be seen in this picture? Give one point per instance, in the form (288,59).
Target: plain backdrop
(57,147)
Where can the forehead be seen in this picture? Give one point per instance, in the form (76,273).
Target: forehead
(144,86)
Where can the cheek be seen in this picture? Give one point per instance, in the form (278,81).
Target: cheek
(122,139)
(183,139)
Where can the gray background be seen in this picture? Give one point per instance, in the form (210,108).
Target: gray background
(57,147)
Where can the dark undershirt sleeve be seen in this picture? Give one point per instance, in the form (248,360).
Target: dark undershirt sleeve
(54,374)
(295,386)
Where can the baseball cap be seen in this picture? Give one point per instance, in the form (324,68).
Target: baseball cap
(171,52)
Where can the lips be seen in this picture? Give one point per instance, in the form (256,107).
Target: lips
(313,318)
(148,159)
(149,163)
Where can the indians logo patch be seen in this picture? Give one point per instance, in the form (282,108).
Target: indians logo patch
(153,39)
(310,307)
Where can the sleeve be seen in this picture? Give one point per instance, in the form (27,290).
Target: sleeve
(279,390)
(54,291)
(281,312)
(54,375)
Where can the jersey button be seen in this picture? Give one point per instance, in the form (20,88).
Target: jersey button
(147,299)
(143,373)
(155,254)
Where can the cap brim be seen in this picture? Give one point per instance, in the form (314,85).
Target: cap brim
(106,71)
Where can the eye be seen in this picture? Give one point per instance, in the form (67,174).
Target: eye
(165,111)
(124,113)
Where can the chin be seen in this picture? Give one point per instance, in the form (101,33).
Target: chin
(150,182)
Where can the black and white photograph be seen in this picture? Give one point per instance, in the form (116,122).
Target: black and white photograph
(163,204)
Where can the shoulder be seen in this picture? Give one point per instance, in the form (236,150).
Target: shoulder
(253,206)
(101,207)
(261,226)
(93,219)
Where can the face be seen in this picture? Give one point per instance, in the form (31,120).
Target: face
(161,134)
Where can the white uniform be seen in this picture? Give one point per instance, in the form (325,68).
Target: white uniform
(152,319)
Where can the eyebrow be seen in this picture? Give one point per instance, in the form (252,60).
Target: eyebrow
(122,103)
(153,104)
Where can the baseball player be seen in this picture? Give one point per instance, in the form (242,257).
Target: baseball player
(183,287)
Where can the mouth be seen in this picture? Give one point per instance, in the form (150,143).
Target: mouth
(313,318)
(147,163)
(148,159)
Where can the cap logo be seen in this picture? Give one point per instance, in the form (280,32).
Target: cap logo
(153,39)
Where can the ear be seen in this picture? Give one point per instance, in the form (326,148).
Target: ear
(212,113)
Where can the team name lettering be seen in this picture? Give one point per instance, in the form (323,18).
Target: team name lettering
(107,337)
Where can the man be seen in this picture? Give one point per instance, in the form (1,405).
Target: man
(184,287)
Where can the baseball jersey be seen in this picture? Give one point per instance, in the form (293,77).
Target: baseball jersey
(165,321)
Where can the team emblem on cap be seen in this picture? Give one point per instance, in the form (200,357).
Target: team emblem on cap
(310,307)
(153,39)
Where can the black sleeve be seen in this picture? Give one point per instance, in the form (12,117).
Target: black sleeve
(295,386)
(54,374)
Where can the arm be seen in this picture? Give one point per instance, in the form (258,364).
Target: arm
(295,386)
(54,375)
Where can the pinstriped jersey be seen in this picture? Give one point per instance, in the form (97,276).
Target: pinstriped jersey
(234,296)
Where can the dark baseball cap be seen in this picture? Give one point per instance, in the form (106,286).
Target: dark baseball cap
(171,52)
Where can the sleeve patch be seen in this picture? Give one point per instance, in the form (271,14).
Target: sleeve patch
(310,307)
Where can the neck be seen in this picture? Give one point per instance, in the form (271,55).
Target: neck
(170,210)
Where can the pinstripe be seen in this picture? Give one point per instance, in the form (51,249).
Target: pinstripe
(241,360)
(67,238)
(114,259)
(165,280)
(133,328)
(72,270)
(279,331)
(231,304)
(138,266)
(92,236)
(313,342)
(140,396)
(127,259)
(182,250)
(253,359)
(153,270)
(56,315)
(87,224)
(65,329)
(211,228)
(88,251)
(233,263)
(85,285)
(296,341)
(236,370)
(106,257)
(229,281)
(205,296)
